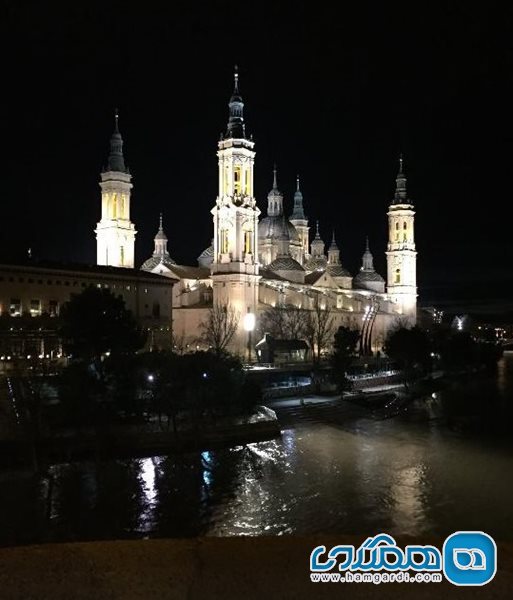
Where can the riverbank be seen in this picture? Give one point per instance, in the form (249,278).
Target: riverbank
(133,443)
(207,568)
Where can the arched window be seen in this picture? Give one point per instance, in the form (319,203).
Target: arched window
(405,226)
(398,276)
(397,225)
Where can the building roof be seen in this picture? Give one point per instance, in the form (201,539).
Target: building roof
(284,263)
(316,263)
(83,269)
(187,272)
(266,274)
(283,345)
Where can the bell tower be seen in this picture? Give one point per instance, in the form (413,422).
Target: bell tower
(235,265)
(115,233)
(401,252)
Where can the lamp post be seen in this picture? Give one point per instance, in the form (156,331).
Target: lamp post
(249,325)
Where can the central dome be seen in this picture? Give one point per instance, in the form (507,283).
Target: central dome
(273,227)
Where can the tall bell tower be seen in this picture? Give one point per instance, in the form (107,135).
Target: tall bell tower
(401,252)
(115,233)
(235,265)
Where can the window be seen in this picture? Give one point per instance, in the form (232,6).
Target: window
(405,226)
(53,308)
(156,310)
(35,308)
(15,307)
(397,225)
(122,255)
(398,276)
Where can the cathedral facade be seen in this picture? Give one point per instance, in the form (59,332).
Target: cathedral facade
(257,262)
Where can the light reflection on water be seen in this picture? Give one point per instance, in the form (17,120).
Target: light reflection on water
(410,475)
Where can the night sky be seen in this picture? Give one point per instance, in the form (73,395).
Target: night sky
(333,97)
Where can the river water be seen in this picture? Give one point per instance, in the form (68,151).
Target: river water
(446,464)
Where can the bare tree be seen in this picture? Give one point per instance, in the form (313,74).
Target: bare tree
(179,343)
(319,329)
(284,322)
(272,321)
(219,327)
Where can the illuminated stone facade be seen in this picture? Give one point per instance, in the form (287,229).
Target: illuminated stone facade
(254,264)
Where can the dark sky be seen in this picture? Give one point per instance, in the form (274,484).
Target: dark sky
(333,95)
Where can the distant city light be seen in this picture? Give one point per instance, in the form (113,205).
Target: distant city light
(151,378)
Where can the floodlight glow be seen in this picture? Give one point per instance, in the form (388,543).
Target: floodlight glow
(249,322)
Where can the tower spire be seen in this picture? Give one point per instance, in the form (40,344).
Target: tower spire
(367,258)
(116,160)
(298,213)
(275,197)
(236,127)
(401,196)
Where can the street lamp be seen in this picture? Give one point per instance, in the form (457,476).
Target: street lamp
(249,325)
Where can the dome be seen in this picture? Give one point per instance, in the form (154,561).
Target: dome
(338,271)
(273,227)
(316,263)
(155,261)
(365,276)
(206,258)
(285,263)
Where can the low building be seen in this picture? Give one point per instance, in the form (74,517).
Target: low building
(273,351)
(40,289)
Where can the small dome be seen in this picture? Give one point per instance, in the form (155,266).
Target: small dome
(316,263)
(273,227)
(206,258)
(364,276)
(285,263)
(161,235)
(155,261)
(338,271)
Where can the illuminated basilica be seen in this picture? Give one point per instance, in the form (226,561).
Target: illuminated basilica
(258,261)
